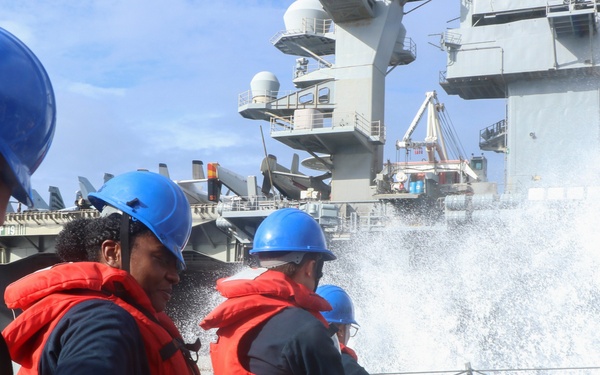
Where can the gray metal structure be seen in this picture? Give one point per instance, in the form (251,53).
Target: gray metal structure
(339,109)
(543,57)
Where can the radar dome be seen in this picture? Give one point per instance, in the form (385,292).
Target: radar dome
(264,87)
(305,15)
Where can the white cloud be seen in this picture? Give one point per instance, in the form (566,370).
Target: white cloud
(94,91)
(191,134)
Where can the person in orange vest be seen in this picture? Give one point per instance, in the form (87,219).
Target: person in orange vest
(341,319)
(27,125)
(104,313)
(271,321)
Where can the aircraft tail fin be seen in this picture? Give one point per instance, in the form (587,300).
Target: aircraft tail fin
(108,176)
(38,202)
(86,186)
(295,164)
(198,170)
(56,200)
(163,170)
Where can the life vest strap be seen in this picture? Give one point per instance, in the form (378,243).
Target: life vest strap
(175,345)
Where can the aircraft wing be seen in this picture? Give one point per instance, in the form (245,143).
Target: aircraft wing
(290,182)
(194,191)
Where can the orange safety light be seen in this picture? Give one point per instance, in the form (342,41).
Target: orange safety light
(213,183)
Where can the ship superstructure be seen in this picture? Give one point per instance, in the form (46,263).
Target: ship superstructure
(543,57)
(338,110)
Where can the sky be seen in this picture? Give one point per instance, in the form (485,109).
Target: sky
(138,83)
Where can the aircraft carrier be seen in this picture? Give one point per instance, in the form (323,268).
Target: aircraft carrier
(546,69)
(541,56)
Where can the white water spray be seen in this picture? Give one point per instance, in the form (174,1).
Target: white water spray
(519,293)
(523,293)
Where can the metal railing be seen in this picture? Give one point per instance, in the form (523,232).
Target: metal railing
(319,120)
(311,96)
(411,46)
(492,131)
(451,40)
(300,70)
(256,96)
(315,26)
(553,6)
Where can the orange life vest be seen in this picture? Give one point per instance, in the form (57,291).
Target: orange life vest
(348,351)
(46,296)
(254,296)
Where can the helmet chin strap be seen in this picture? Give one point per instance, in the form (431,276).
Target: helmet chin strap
(124,236)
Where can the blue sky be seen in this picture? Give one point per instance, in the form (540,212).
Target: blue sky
(139,83)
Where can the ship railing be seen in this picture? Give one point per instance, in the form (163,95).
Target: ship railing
(553,6)
(241,204)
(442,76)
(294,98)
(55,216)
(315,26)
(260,96)
(205,211)
(451,39)
(41,218)
(300,70)
(508,371)
(364,223)
(492,131)
(319,120)
(411,46)
(256,96)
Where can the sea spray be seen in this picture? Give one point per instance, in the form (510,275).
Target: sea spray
(193,299)
(522,292)
(519,291)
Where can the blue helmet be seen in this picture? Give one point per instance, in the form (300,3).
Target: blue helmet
(27,114)
(154,200)
(290,230)
(343,309)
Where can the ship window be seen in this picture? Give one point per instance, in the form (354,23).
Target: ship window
(306,99)
(324,95)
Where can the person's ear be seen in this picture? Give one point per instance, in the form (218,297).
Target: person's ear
(310,268)
(110,253)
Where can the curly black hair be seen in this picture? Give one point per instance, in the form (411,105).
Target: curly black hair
(81,239)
